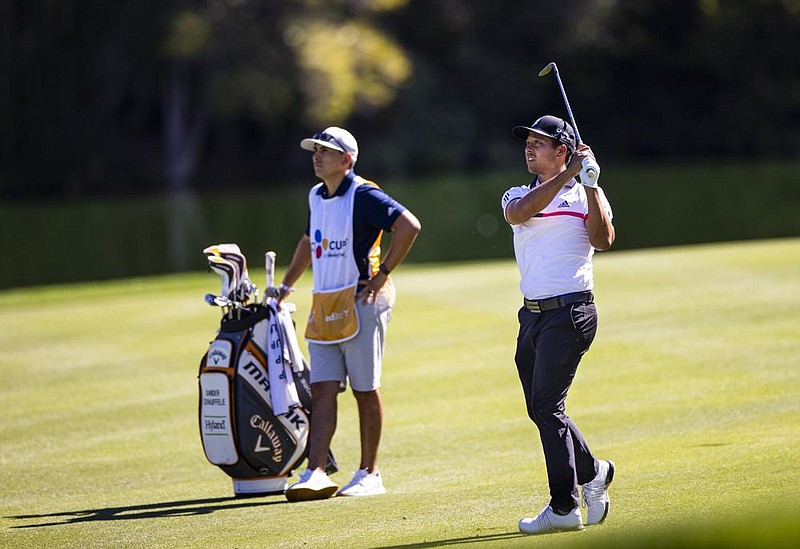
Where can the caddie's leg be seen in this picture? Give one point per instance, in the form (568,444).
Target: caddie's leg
(364,358)
(323,422)
(370,416)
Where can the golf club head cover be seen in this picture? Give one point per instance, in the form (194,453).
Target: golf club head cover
(590,173)
(227,272)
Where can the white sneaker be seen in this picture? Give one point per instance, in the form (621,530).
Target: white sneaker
(364,483)
(312,485)
(548,521)
(595,493)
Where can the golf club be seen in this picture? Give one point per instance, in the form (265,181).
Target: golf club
(244,288)
(227,271)
(551,66)
(269,264)
(222,301)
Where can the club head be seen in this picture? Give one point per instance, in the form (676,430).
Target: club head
(550,66)
(218,300)
(271,291)
(247,290)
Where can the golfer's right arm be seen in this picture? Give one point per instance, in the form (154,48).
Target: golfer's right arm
(301,260)
(522,209)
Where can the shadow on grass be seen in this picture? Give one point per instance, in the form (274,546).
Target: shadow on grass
(457,541)
(146,511)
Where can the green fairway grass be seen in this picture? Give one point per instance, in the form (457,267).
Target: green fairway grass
(691,387)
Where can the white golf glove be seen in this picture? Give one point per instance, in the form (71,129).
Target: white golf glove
(590,173)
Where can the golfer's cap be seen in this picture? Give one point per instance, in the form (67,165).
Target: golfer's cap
(334,138)
(549,126)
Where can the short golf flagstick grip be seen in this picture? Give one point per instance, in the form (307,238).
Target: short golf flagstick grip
(269,264)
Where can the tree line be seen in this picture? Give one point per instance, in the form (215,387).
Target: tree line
(113,98)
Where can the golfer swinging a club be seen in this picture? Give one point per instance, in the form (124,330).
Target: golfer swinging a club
(558,220)
(351,304)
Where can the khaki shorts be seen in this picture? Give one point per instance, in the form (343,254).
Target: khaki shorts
(360,358)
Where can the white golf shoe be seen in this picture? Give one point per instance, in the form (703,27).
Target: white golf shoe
(364,483)
(312,485)
(595,493)
(549,521)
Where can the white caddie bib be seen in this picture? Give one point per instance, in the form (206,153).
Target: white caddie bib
(333,316)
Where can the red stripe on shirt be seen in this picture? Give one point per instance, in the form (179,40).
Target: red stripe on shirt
(573,214)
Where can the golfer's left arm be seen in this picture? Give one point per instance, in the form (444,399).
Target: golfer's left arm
(404,232)
(601,230)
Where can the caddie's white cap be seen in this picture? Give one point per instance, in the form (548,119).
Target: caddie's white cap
(334,138)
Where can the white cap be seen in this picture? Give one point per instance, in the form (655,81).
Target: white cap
(334,138)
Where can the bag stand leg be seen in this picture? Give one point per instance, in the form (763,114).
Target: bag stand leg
(262,486)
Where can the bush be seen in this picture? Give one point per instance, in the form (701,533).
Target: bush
(660,205)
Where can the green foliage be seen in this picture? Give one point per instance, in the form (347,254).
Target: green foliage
(109,97)
(188,37)
(691,387)
(432,86)
(460,214)
(345,67)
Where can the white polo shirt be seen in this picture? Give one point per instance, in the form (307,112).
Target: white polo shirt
(552,248)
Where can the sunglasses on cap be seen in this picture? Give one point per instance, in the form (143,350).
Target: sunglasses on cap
(562,135)
(329,139)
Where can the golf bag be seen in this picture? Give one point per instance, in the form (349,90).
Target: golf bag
(255,396)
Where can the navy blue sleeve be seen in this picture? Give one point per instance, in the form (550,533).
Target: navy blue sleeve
(373,211)
(375,208)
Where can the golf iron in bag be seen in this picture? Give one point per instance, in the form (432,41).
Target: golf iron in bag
(255,396)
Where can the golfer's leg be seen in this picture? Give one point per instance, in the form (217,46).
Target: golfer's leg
(558,353)
(323,422)
(584,319)
(559,459)
(370,415)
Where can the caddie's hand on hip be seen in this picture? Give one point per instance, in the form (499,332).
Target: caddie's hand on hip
(369,293)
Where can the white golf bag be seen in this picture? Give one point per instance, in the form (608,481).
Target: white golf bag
(255,397)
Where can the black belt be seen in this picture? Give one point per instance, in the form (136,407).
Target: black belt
(552,303)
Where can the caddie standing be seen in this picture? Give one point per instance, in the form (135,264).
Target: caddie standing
(352,301)
(558,221)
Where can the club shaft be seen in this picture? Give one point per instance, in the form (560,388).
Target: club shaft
(566,104)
